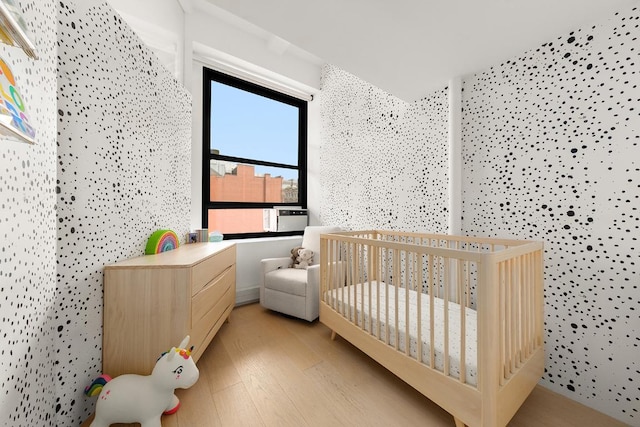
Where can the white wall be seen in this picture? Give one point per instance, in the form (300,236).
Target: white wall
(249,253)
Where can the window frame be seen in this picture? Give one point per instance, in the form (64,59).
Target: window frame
(210,75)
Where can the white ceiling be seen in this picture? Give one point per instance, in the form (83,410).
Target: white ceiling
(411,47)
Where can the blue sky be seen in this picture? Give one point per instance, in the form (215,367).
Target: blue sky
(252,126)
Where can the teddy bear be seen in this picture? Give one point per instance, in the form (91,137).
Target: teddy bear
(301,257)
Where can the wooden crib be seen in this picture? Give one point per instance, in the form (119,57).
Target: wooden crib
(382,291)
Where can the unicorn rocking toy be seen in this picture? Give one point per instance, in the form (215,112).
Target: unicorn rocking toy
(144,399)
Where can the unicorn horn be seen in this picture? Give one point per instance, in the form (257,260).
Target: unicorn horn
(184,342)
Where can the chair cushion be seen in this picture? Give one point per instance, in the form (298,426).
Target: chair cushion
(288,280)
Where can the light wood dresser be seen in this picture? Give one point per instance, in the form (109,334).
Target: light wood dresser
(153,301)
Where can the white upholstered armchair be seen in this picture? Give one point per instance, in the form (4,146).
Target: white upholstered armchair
(294,291)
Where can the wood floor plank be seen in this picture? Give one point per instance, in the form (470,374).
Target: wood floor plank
(305,394)
(274,406)
(250,350)
(544,408)
(235,407)
(298,352)
(317,337)
(286,360)
(216,367)
(197,396)
(413,409)
(343,397)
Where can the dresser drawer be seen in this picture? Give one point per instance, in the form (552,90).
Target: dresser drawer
(209,268)
(203,331)
(206,299)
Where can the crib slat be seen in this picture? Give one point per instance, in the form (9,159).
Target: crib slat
(508,320)
(432,356)
(407,286)
(539,295)
(438,282)
(361,284)
(378,277)
(396,279)
(446,285)
(370,279)
(351,283)
(531,305)
(514,315)
(379,272)
(501,321)
(419,267)
(345,249)
(510,310)
(367,279)
(468,269)
(386,299)
(519,283)
(365,283)
(463,325)
(338,259)
(527,302)
(333,282)
(325,278)
(530,288)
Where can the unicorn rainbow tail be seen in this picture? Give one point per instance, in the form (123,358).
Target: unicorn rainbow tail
(96,386)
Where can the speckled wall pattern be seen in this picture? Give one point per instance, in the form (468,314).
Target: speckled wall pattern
(124,171)
(28,231)
(551,151)
(383,161)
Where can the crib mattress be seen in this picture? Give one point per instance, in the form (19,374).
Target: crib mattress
(354,300)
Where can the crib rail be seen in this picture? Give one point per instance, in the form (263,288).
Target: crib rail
(468,308)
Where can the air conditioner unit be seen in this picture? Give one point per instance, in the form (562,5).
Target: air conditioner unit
(284,218)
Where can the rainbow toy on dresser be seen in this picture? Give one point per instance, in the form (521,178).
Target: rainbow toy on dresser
(161,241)
(144,399)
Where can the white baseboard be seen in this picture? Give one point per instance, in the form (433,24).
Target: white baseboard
(247,296)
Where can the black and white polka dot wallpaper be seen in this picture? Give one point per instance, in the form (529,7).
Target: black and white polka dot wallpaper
(551,151)
(28,232)
(383,161)
(124,171)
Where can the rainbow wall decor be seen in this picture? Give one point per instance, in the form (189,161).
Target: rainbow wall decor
(14,121)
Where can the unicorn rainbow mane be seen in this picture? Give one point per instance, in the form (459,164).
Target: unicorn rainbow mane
(96,386)
(185,353)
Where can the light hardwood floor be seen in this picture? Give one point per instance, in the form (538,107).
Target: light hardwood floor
(265,369)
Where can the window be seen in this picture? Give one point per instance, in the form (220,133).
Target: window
(254,154)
